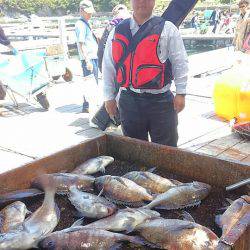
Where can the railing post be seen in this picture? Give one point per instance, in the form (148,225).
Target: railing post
(63,35)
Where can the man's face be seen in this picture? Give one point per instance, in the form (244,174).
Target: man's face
(85,15)
(143,8)
(243,8)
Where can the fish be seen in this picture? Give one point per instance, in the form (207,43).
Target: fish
(122,191)
(124,220)
(19,195)
(86,238)
(177,234)
(12,216)
(62,182)
(182,196)
(94,165)
(90,205)
(41,223)
(235,220)
(154,183)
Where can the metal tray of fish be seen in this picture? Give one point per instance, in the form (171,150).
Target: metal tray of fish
(135,155)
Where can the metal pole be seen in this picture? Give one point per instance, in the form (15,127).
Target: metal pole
(63,36)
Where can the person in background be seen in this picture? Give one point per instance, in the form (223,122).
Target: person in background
(194,20)
(86,43)
(120,12)
(242,31)
(144,75)
(215,19)
(6,42)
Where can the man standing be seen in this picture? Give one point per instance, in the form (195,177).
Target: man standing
(242,30)
(86,42)
(144,73)
(215,19)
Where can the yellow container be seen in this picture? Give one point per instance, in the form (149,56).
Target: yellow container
(232,95)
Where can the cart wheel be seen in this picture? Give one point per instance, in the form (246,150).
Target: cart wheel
(42,99)
(55,78)
(67,77)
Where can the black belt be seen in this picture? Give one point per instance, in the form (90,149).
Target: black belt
(145,94)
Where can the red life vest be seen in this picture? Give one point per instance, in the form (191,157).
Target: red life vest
(142,68)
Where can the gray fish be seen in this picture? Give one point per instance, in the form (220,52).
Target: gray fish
(122,190)
(63,181)
(94,165)
(12,216)
(177,234)
(90,205)
(19,194)
(154,183)
(38,225)
(235,221)
(124,220)
(86,238)
(182,196)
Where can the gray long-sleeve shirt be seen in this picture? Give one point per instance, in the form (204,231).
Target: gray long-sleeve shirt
(170,47)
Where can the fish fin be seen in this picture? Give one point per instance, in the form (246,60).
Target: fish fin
(77,214)
(28,212)
(128,224)
(136,240)
(223,246)
(222,209)
(125,203)
(116,246)
(100,192)
(171,207)
(218,220)
(78,222)
(103,170)
(177,228)
(187,216)
(229,201)
(176,182)
(130,209)
(152,170)
(72,229)
(119,179)
(58,211)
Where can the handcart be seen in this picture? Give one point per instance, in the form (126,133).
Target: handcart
(26,75)
(56,63)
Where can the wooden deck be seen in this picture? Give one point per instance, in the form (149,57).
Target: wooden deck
(28,133)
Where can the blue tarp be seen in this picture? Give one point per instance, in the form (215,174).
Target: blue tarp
(207,14)
(24,73)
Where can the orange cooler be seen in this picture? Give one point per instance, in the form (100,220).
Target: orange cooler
(232,95)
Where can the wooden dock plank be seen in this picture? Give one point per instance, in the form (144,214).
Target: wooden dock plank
(11,160)
(240,152)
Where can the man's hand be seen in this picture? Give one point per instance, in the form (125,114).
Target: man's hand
(89,66)
(179,103)
(111,107)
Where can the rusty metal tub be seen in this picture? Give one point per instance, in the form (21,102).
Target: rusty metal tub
(198,167)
